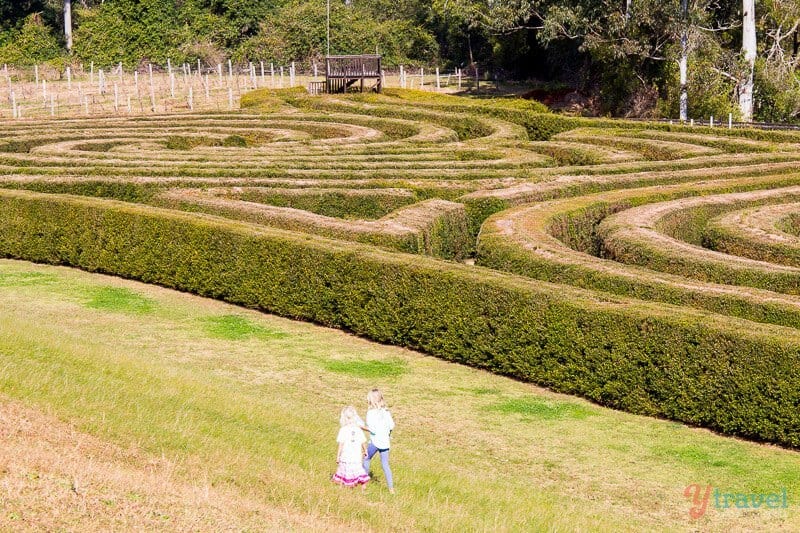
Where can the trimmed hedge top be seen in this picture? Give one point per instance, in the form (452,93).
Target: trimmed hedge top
(353,211)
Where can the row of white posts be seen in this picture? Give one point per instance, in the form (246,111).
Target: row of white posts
(102,84)
(711,122)
(407,79)
(186,69)
(255,78)
(127,86)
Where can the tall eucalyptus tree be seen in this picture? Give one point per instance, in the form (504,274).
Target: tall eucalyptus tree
(749,53)
(68,24)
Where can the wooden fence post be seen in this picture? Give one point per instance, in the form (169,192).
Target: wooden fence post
(152,89)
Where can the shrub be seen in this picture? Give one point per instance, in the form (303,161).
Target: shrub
(32,44)
(728,375)
(432,227)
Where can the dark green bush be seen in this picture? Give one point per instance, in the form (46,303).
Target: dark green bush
(690,225)
(466,127)
(31,44)
(730,375)
(578,230)
(432,227)
(332,203)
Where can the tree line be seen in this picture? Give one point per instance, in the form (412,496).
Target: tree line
(676,58)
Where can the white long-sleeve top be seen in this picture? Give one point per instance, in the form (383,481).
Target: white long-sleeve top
(380,424)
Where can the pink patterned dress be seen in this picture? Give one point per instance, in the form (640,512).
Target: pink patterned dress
(351,470)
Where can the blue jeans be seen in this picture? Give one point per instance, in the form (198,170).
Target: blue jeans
(387,471)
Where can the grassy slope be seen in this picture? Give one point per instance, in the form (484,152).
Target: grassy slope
(247,404)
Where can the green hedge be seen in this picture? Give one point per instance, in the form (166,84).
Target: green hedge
(430,227)
(790,224)
(116,189)
(650,256)
(366,205)
(466,127)
(577,229)
(733,376)
(730,240)
(691,225)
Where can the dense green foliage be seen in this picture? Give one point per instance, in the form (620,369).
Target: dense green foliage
(626,58)
(352,210)
(331,203)
(634,356)
(575,224)
(33,43)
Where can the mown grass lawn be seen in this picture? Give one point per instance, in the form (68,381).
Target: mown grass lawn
(246,403)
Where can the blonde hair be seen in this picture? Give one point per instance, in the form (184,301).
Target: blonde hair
(348,416)
(375,399)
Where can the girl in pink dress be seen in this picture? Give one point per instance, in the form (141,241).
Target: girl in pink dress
(352,449)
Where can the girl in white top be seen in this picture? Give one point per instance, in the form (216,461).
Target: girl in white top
(352,449)
(380,425)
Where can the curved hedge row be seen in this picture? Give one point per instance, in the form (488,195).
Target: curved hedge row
(431,227)
(754,233)
(342,208)
(662,237)
(558,241)
(722,373)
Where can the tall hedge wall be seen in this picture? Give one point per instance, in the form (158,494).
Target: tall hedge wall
(730,375)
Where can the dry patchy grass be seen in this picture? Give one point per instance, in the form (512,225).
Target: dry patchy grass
(54,477)
(237,431)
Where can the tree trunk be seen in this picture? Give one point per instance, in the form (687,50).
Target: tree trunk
(68,23)
(684,62)
(749,53)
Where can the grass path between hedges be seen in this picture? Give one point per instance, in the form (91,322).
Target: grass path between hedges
(128,406)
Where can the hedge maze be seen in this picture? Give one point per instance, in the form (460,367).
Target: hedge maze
(649,267)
